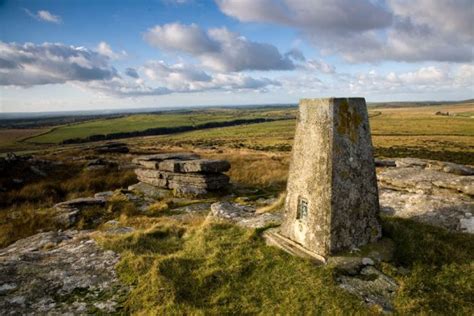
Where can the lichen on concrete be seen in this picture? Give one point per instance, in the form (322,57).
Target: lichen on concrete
(332,171)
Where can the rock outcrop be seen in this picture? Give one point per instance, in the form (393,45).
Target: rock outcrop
(244,216)
(111,147)
(184,173)
(59,273)
(431,192)
(69,213)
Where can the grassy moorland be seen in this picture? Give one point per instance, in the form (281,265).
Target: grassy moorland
(193,266)
(141,122)
(400,132)
(199,268)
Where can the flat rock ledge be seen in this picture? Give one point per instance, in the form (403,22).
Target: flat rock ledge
(69,212)
(371,285)
(429,192)
(186,174)
(244,216)
(59,273)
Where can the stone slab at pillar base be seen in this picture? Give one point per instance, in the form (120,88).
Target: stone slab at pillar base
(274,238)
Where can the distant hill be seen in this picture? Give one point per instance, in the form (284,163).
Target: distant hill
(415,104)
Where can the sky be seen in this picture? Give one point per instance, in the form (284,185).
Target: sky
(69,55)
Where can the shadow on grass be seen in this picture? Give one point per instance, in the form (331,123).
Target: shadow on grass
(418,152)
(441,277)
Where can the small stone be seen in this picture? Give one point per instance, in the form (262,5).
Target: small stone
(149,190)
(5,287)
(17,300)
(104,195)
(67,217)
(37,171)
(410,162)
(80,202)
(367,261)
(384,163)
(467,225)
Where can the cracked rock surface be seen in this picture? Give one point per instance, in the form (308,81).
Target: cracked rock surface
(59,273)
(435,193)
(241,215)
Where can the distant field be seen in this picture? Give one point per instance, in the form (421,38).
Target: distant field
(143,122)
(9,138)
(396,132)
(415,132)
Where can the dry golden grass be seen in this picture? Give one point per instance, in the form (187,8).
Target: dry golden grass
(278,205)
(255,168)
(25,211)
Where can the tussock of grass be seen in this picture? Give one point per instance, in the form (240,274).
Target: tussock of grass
(22,222)
(158,207)
(278,205)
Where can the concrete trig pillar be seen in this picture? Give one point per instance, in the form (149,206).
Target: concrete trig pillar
(332,200)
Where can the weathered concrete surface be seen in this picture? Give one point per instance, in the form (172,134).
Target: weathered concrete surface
(57,274)
(197,165)
(332,172)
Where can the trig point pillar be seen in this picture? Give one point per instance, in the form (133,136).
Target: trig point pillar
(332,200)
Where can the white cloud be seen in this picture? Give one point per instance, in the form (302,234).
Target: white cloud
(104,49)
(46,16)
(166,79)
(218,48)
(49,17)
(30,64)
(188,78)
(424,79)
(368,31)
(331,16)
(419,83)
(320,66)
(178,37)
(177,2)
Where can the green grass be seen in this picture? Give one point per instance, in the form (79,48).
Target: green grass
(140,122)
(407,132)
(221,269)
(202,268)
(441,278)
